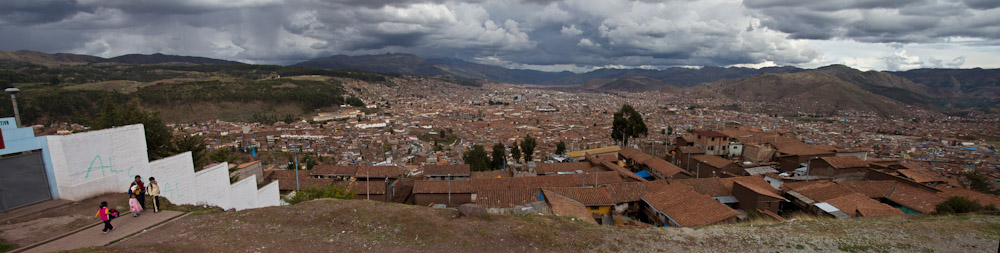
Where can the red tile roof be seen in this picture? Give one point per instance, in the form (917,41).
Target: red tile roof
(627,192)
(506,198)
(546,168)
(588,196)
(444,170)
(711,160)
(442,186)
(688,208)
(711,186)
(760,190)
(918,199)
(857,202)
(707,133)
(380,171)
(845,162)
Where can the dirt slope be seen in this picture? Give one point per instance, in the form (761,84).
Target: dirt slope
(352,226)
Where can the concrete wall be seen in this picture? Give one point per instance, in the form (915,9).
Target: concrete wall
(213,186)
(85,165)
(257,169)
(244,193)
(98,162)
(175,176)
(269,195)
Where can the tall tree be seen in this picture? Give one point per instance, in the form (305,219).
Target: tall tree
(515,152)
(499,156)
(476,158)
(158,136)
(195,144)
(561,148)
(627,124)
(528,147)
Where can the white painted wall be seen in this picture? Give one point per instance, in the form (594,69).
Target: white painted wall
(106,161)
(98,162)
(244,193)
(213,186)
(175,176)
(269,195)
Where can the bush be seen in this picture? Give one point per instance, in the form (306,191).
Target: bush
(326,192)
(958,205)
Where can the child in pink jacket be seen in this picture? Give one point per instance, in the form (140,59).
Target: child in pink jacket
(105,216)
(133,205)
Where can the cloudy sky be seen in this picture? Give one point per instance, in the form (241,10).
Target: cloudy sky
(576,35)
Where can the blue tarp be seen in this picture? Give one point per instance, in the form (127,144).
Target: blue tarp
(971,148)
(644,174)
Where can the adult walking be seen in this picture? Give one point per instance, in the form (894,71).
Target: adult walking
(141,195)
(154,194)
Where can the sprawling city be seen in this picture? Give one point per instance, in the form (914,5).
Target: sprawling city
(461,141)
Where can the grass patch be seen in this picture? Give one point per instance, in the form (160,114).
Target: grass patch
(994,143)
(5,247)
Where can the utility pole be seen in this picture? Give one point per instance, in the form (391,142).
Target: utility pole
(449,189)
(13,100)
(296,154)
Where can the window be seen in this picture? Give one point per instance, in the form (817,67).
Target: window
(711,147)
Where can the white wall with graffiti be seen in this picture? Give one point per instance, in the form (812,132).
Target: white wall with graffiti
(98,162)
(106,161)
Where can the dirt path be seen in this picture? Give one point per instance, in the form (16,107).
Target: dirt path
(92,236)
(47,223)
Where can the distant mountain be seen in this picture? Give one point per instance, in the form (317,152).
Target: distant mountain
(405,64)
(810,91)
(959,87)
(47,59)
(144,59)
(413,65)
(408,64)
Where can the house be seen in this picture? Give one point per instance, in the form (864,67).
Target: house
(642,163)
(794,155)
(507,200)
(447,172)
(714,166)
(626,196)
(679,205)
(758,153)
(839,168)
(712,142)
(451,193)
(757,197)
(681,156)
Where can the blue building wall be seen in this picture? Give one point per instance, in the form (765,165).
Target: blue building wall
(18,140)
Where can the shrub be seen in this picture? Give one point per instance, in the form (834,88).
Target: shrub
(958,205)
(326,192)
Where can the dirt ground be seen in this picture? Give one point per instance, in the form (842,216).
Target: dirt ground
(52,222)
(358,225)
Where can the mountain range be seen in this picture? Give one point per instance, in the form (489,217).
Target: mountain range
(135,59)
(831,87)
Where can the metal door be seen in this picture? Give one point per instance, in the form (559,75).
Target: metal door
(23,181)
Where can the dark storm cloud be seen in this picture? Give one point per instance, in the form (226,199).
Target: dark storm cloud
(880,21)
(512,33)
(28,12)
